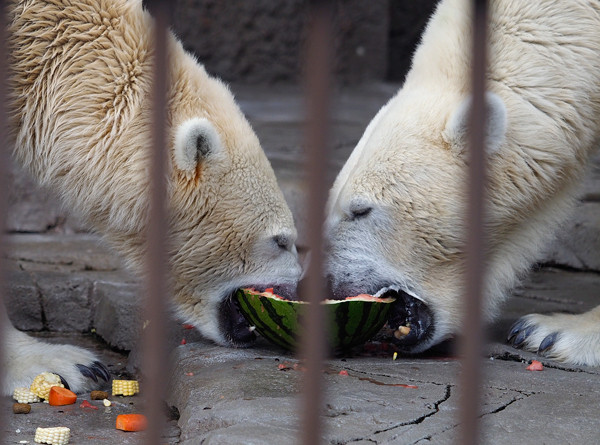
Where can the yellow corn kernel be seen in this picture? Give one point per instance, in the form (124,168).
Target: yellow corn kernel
(125,387)
(24,395)
(53,436)
(42,383)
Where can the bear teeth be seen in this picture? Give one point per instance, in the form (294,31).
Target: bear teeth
(383,290)
(397,289)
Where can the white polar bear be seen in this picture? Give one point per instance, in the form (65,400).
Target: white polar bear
(80,112)
(396,209)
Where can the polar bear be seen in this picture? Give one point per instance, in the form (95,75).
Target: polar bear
(80,111)
(395,212)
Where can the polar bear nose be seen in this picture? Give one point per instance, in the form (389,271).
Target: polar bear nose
(284,241)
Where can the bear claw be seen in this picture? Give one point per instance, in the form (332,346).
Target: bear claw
(521,336)
(95,370)
(101,371)
(548,342)
(515,329)
(63,381)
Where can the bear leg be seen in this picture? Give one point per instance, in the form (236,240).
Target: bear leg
(570,338)
(26,357)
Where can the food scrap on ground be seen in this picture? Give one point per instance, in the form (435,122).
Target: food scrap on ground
(131,422)
(395,356)
(59,396)
(98,395)
(343,372)
(106,403)
(86,404)
(24,395)
(43,382)
(535,366)
(125,387)
(21,408)
(53,436)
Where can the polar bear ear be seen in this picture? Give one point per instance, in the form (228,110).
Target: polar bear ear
(456,131)
(195,140)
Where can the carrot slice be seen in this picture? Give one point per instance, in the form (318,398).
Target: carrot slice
(535,366)
(131,422)
(61,396)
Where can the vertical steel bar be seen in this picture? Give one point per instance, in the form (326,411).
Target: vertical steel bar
(472,342)
(318,84)
(3,183)
(156,284)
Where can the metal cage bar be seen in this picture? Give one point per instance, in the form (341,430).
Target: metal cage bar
(3,184)
(156,278)
(472,341)
(318,92)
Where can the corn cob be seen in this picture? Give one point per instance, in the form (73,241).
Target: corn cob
(125,387)
(24,395)
(42,383)
(53,436)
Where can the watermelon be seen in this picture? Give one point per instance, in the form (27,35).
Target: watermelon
(352,321)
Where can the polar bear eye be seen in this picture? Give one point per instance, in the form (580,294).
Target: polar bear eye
(360,208)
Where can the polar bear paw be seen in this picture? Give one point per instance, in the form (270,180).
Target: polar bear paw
(79,369)
(570,338)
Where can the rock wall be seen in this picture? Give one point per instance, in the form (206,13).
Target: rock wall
(263,41)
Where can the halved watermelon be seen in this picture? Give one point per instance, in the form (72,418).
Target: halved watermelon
(352,321)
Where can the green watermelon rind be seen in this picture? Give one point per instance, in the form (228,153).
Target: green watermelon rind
(277,319)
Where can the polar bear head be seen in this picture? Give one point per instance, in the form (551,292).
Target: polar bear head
(231,226)
(396,210)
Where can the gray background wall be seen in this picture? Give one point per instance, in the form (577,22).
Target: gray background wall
(261,41)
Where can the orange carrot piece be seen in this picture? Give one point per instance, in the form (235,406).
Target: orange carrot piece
(131,422)
(59,396)
(535,366)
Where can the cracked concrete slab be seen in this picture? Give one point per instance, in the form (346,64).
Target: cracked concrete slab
(233,397)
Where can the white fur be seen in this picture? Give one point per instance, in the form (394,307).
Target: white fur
(456,131)
(543,80)
(185,150)
(26,357)
(80,117)
(578,336)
